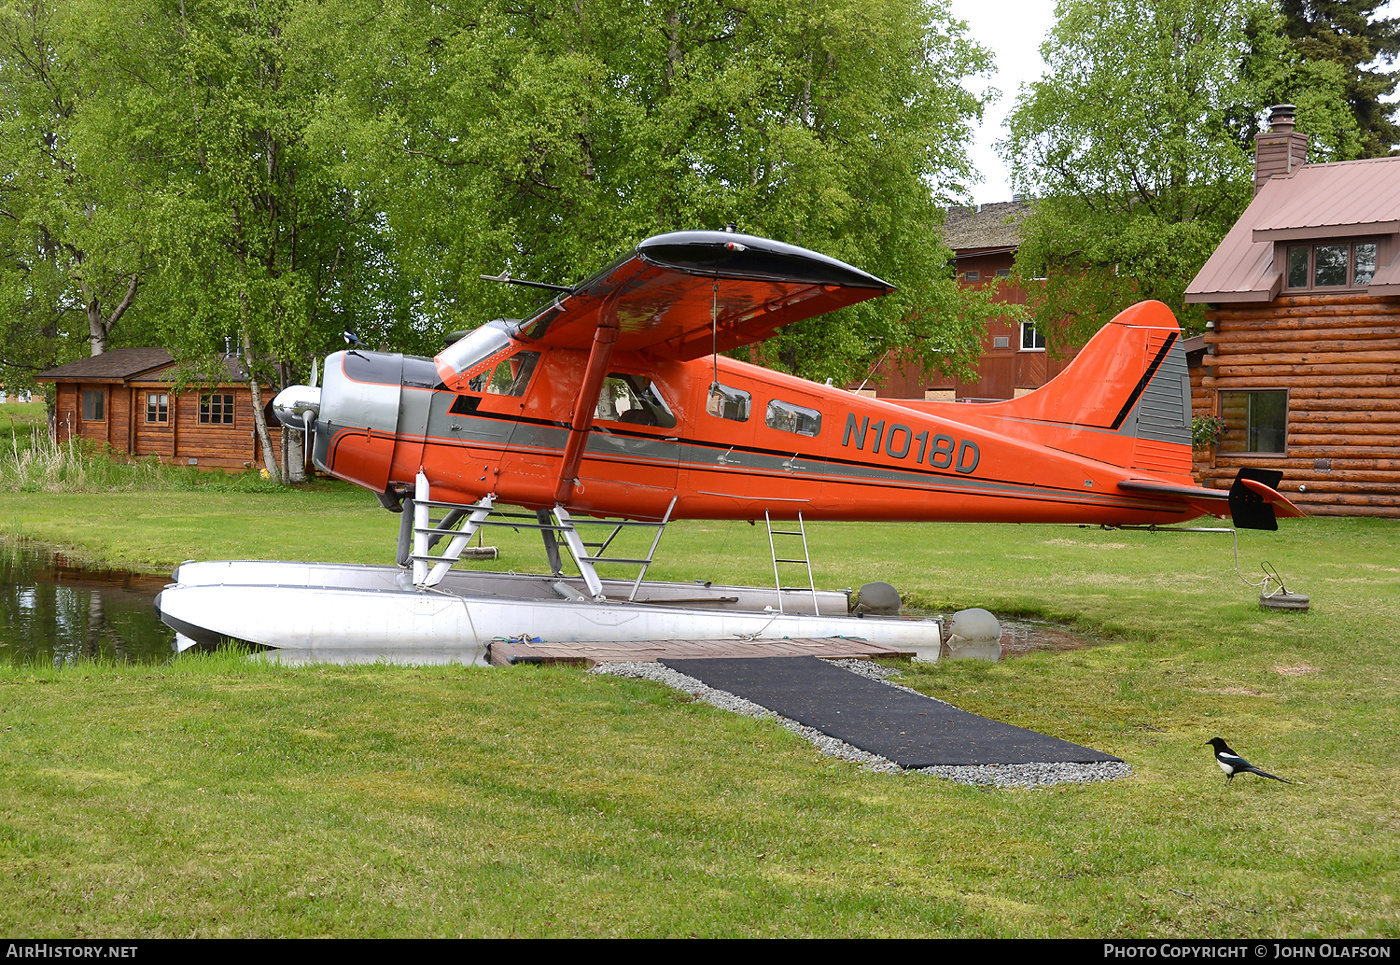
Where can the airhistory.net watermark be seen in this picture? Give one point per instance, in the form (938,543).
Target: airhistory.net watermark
(68,950)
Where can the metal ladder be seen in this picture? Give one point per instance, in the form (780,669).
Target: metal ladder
(586,553)
(805,560)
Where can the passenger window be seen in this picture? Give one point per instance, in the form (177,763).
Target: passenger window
(632,399)
(729,403)
(508,377)
(786,417)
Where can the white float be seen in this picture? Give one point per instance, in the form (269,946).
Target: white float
(327,608)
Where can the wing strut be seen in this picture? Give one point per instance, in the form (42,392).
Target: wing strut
(604,338)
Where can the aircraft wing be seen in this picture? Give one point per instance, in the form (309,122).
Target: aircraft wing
(665,293)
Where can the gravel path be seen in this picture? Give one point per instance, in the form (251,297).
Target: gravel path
(998,775)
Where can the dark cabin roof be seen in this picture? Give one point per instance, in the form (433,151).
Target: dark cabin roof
(229,368)
(987,227)
(139,365)
(114,365)
(1319,201)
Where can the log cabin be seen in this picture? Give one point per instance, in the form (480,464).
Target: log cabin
(126,398)
(1014,360)
(1302,349)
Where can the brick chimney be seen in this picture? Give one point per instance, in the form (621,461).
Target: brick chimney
(1280,151)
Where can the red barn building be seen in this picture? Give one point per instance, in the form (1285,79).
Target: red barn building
(1014,361)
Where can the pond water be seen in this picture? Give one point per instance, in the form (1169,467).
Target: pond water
(55,611)
(1022,636)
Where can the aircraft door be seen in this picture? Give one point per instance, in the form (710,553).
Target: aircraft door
(512,414)
(633,453)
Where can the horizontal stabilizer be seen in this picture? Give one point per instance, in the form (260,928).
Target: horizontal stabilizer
(1251,506)
(1283,506)
(1253,501)
(1212,502)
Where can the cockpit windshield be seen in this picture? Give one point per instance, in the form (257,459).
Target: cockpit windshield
(473,347)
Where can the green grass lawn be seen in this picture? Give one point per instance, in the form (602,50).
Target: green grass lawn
(214,797)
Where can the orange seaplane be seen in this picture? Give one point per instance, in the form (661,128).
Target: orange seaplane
(614,401)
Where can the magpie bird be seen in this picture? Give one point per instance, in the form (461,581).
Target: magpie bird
(1232,763)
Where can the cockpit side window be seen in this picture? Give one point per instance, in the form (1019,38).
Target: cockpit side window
(510,376)
(788,417)
(727,402)
(633,399)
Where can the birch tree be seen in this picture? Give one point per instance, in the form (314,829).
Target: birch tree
(1137,145)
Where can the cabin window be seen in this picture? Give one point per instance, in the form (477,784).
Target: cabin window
(508,377)
(726,402)
(786,417)
(1003,272)
(216,409)
(1031,340)
(93,405)
(157,407)
(972,276)
(1331,264)
(1255,421)
(632,399)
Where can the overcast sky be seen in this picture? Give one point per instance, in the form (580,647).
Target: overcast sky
(1013,29)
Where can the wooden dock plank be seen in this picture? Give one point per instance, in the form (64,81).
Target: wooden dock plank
(505,653)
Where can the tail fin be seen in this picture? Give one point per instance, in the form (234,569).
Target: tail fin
(1124,400)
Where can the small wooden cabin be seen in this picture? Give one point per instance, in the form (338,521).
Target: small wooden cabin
(126,398)
(1014,359)
(1302,348)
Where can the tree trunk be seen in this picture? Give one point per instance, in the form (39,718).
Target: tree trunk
(99,328)
(97,332)
(294,456)
(259,419)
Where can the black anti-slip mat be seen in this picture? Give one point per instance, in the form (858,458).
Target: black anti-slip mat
(910,729)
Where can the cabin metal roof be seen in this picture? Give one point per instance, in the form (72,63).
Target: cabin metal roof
(1344,199)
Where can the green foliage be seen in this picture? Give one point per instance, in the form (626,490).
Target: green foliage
(21,423)
(71,242)
(1138,144)
(43,465)
(276,172)
(545,138)
(1349,35)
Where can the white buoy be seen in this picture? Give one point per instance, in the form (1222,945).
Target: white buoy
(974,633)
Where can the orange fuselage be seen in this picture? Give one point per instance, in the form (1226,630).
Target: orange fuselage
(769,441)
